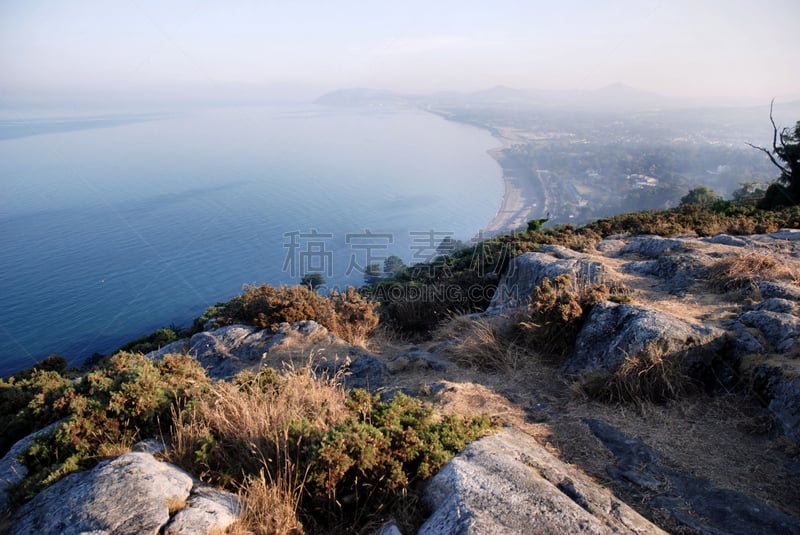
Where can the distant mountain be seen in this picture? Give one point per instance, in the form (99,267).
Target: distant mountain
(359,96)
(611,98)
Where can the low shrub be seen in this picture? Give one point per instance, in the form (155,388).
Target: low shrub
(153,341)
(29,402)
(297,439)
(737,272)
(348,314)
(557,311)
(488,344)
(651,376)
(126,399)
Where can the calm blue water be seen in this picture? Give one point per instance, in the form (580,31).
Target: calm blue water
(113,227)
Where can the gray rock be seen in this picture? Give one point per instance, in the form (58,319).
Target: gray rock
(781,290)
(528,270)
(725,239)
(365,371)
(710,510)
(743,343)
(776,304)
(11,470)
(228,350)
(508,484)
(178,346)
(152,446)
(790,234)
(614,332)
(652,246)
(418,359)
(308,331)
(390,528)
(677,273)
(782,392)
(610,246)
(206,511)
(779,329)
(127,495)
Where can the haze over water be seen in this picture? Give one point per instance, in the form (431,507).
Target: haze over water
(110,233)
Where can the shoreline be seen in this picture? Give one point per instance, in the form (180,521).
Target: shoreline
(523,197)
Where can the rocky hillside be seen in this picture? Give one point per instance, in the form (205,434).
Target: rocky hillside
(644,384)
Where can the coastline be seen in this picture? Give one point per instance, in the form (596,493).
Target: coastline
(523,197)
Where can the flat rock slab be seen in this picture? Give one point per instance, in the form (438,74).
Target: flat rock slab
(509,484)
(693,502)
(131,495)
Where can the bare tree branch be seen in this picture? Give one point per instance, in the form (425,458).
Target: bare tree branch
(771,157)
(774,127)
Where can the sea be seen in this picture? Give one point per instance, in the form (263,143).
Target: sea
(113,225)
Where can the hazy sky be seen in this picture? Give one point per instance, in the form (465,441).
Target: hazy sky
(674,47)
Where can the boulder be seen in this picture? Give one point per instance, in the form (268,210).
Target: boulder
(725,239)
(131,494)
(508,484)
(226,351)
(11,470)
(790,234)
(207,510)
(781,392)
(677,273)
(780,329)
(615,332)
(651,246)
(527,271)
(178,346)
(781,290)
(364,371)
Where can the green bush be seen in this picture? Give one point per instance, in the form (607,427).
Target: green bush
(343,458)
(557,311)
(376,455)
(348,314)
(126,399)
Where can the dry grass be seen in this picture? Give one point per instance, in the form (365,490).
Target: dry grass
(484,344)
(244,427)
(652,376)
(268,508)
(737,272)
(175,504)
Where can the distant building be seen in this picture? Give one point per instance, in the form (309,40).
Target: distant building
(638,181)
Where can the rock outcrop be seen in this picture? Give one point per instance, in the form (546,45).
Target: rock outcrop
(508,484)
(692,502)
(527,271)
(615,332)
(132,494)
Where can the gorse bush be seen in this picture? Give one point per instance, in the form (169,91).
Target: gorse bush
(126,399)
(300,440)
(557,311)
(30,402)
(348,314)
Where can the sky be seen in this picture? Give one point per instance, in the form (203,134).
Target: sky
(302,48)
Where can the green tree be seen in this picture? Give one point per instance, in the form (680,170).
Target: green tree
(535,225)
(393,265)
(372,273)
(313,280)
(700,195)
(785,155)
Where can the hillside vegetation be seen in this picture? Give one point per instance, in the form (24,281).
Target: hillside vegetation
(306,455)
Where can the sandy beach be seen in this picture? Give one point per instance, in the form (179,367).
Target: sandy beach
(524,195)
